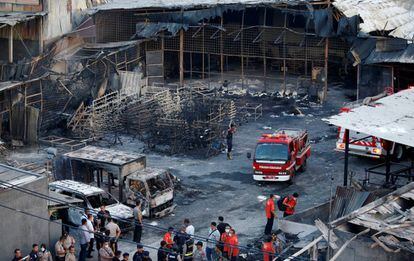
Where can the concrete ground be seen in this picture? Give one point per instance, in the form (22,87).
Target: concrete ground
(219,187)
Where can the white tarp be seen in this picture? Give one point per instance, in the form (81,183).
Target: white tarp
(392,118)
(396,16)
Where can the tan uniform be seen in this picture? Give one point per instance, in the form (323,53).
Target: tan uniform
(69,241)
(59,247)
(106,254)
(70,257)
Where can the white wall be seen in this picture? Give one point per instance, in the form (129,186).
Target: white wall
(63,16)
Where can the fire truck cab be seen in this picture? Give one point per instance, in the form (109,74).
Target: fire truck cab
(279,155)
(362,144)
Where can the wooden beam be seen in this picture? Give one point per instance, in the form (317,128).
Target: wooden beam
(378,242)
(182,57)
(264,49)
(304,249)
(241,49)
(328,234)
(221,51)
(40,30)
(343,247)
(325,86)
(284,53)
(11,44)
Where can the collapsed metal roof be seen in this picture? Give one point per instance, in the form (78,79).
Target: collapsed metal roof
(396,16)
(392,216)
(139,4)
(390,118)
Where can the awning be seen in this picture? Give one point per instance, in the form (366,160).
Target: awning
(14,18)
(390,118)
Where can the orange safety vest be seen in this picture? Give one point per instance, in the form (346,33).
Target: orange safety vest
(267,249)
(290,203)
(234,243)
(168,238)
(224,238)
(270,208)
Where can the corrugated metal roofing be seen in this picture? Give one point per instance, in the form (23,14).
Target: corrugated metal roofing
(14,18)
(389,215)
(392,118)
(104,155)
(16,176)
(137,4)
(403,56)
(79,187)
(382,15)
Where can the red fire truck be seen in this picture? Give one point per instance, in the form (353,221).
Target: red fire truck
(362,144)
(279,155)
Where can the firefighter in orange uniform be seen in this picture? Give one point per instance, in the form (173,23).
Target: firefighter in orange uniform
(224,242)
(233,242)
(290,203)
(168,237)
(270,214)
(268,249)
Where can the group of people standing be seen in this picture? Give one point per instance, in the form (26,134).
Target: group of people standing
(221,243)
(285,204)
(101,231)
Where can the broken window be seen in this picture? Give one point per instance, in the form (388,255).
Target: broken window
(102,199)
(159,183)
(138,186)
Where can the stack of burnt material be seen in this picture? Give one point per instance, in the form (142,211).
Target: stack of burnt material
(171,120)
(180,120)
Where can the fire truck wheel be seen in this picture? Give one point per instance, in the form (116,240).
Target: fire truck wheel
(303,167)
(399,152)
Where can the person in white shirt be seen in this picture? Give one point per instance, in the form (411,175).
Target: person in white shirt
(114,234)
(213,240)
(85,238)
(89,224)
(189,229)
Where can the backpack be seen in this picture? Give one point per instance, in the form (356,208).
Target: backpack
(280,205)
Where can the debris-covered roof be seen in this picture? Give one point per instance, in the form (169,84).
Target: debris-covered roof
(15,176)
(75,186)
(13,18)
(396,16)
(147,173)
(104,155)
(392,216)
(139,4)
(390,118)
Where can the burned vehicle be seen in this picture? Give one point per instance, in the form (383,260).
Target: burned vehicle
(155,188)
(90,197)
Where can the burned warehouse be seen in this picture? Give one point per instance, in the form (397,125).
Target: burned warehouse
(206,130)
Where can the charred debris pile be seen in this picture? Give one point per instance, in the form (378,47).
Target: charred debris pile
(169,118)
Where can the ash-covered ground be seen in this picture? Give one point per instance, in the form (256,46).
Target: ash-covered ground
(216,186)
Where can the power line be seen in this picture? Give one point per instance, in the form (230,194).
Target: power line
(74,227)
(131,222)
